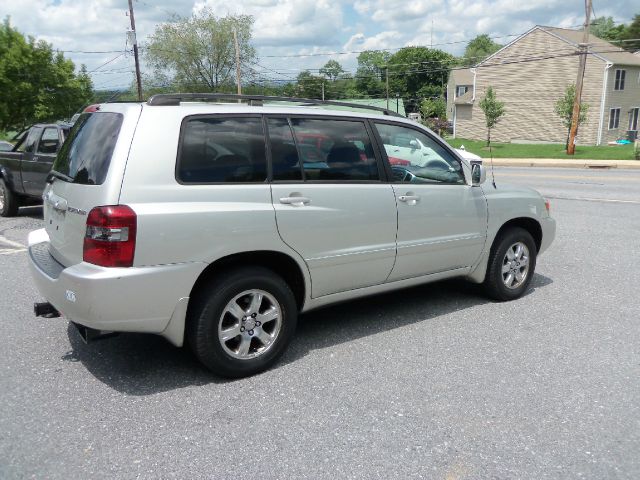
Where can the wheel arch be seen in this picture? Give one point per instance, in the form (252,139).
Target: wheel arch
(278,262)
(529,224)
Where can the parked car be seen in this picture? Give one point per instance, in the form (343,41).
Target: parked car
(200,222)
(24,169)
(5,146)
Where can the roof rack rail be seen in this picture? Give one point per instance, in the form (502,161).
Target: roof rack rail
(174,99)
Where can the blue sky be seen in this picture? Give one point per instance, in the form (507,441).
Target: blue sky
(284,28)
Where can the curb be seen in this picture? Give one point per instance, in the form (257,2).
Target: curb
(559,163)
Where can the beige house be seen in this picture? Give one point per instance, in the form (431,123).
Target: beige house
(531,73)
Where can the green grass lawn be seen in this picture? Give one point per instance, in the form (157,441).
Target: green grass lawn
(515,150)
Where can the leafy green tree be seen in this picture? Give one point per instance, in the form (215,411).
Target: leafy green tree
(332,70)
(370,75)
(434,108)
(198,52)
(493,111)
(309,85)
(411,69)
(564,109)
(631,32)
(606,29)
(478,49)
(37,84)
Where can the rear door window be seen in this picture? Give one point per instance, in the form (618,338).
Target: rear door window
(86,155)
(335,150)
(222,150)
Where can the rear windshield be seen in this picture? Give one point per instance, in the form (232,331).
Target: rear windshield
(85,156)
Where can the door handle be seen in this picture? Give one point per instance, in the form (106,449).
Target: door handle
(409,198)
(296,201)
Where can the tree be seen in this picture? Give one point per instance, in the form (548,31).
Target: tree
(606,29)
(493,110)
(434,108)
(37,84)
(631,32)
(478,49)
(370,75)
(332,69)
(309,86)
(411,69)
(564,109)
(198,52)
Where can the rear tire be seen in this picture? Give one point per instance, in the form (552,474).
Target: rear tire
(9,202)
(241,321)
(512,263)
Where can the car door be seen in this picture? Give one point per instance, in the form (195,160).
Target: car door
(331,204)
(27,165)
(45,153)
(442,220)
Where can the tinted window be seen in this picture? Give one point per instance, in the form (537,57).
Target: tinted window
(49,141)
(417,158)
(284,155)
(335,150)
(86,155)
(29,145)
(222,150)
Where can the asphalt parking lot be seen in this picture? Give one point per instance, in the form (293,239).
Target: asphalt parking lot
(431,382)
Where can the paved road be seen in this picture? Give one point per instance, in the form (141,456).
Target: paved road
(430,382)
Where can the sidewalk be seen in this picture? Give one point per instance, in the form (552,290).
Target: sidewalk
(555,162)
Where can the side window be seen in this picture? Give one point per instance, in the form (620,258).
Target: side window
(49,141)
(216,149)
(335,150)
(284,156)
(417,158)
(29,144)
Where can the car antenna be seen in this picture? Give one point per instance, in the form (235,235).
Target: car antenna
(493,175)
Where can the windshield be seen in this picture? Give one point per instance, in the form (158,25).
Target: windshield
(86,155)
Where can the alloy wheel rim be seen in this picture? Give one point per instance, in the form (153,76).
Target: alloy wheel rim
(515,265)
(1,198)
(250,324)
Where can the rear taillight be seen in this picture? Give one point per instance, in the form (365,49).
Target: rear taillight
(547,205)
(110,240)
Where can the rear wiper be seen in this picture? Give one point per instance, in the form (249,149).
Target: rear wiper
(53,175)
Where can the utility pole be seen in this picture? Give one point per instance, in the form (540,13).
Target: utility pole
(387,82)
(432,33)
(323,90)
(584,48)
(135,50)
(235,40)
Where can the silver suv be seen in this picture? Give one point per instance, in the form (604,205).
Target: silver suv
(216,223)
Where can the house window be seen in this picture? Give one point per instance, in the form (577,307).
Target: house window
(634,113)
(461,90)
(619,84)
(614,118)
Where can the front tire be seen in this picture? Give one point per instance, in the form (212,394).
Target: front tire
(241,322)
(511,265)
(8,201)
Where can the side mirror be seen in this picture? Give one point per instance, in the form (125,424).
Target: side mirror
(414,144)
(478,174)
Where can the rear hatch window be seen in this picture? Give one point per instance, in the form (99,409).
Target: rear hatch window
(85,157)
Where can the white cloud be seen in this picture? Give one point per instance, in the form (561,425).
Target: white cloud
(290,27)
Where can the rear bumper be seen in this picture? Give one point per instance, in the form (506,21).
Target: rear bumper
(137,299)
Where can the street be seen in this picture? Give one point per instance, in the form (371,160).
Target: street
(435,381)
